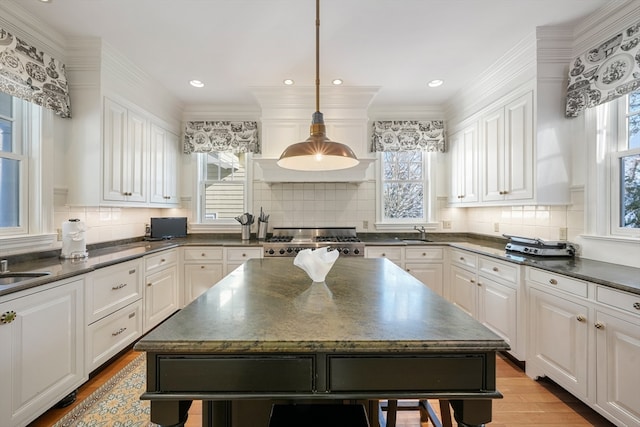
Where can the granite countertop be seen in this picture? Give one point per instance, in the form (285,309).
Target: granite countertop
(354,310)
(616,276)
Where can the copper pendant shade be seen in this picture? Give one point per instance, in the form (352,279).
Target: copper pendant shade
(317,153)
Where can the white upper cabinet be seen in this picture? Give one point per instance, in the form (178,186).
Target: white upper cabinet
(164,166)
(463,155)
(125,154)
(507,151)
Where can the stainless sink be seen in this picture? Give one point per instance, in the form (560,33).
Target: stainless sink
(11,278)
(416,241)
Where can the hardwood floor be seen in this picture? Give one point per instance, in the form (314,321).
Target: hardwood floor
(526,403)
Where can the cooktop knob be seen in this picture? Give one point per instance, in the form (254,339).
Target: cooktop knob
(356,251)
(281,251)
(270,251)
(345,251)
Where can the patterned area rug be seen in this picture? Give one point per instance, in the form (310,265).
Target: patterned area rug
(116,404)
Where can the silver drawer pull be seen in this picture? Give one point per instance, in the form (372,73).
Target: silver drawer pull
(120,286)
(553,281)
(636,305)
(118,332)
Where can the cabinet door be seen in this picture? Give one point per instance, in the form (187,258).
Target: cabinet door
(42,357)
(518,161)
(463,290)
(497,308)
(198,278)
(124,154)
(160,297)
(558,340)
(464,166)
(164,166)
(237,256)
(493,155)
(429,274)
(618,376)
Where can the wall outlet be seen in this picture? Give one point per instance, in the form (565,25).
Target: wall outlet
(365,224)
(59,231)
(496,227)
(446,225)
(562,234)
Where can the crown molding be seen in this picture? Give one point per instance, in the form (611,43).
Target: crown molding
(31,29)
(604,23)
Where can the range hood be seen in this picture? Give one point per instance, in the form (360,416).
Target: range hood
(267,170)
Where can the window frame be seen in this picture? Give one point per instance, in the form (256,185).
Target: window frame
(617,149)
(429,202)
(199,206)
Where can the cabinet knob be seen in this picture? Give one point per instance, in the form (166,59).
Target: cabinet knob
(244,255)
(495,269)
(636,305)
(479,284)
(203,254)
(408,270)
(8,317)
(149,284)
(472,281)
(163,260)
(384,254)
(461,258)
(599,325)
(580,318)
(202,266)
(553,281)
(424,254)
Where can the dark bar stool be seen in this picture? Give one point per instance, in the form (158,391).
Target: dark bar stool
(318,415)
(426,412)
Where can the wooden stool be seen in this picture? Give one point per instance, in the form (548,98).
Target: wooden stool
(426,412)
(318,415)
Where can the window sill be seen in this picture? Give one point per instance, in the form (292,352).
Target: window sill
(382,226)
(223,227)
(27,243)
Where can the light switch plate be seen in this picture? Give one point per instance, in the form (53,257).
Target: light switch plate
(496,227)
(446,224)
(562,234)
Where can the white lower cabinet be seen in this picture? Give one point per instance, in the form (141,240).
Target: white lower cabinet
(393,254)
(42,354)
(463,290)
(203,268)
(161,287)
(114,317)
(617,325)
(235,257)
(558,340)
(426,264)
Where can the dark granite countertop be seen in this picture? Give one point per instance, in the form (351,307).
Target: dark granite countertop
(354,310)
(613,275)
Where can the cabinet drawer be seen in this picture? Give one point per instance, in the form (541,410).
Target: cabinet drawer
(159,261)
(394,254)
(502,270)
(463,258)
(243,254)
(112,288)
(106,337)
(424,253)
(556,281)
(622,300)
(201,254)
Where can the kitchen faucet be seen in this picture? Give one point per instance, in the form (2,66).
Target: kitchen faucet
(422,230)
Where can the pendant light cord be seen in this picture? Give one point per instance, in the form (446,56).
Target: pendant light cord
(318,55)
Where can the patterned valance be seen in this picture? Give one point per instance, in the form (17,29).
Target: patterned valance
(412,135)
(606,72)
(32,75)
(225,136)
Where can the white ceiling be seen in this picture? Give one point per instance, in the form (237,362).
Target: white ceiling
(234,45)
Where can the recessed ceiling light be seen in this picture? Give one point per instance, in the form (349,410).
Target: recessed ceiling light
(435,83)
(288,82)
(196,83)
(46,1)
(337,82)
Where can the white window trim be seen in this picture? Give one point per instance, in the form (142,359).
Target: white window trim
(601,196)
(430,200)
(221,225)
(38,234)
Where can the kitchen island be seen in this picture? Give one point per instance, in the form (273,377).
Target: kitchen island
(370,331)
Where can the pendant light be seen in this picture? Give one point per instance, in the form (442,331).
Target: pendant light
(317,153)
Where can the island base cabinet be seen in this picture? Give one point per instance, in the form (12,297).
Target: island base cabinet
(42,355)
(618,368)
(558,341)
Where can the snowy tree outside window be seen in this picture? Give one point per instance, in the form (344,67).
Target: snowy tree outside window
(403,185)
(630,166)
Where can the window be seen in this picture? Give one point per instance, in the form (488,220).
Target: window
(625,167)
(222,186)
(405,187)
(13,166)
